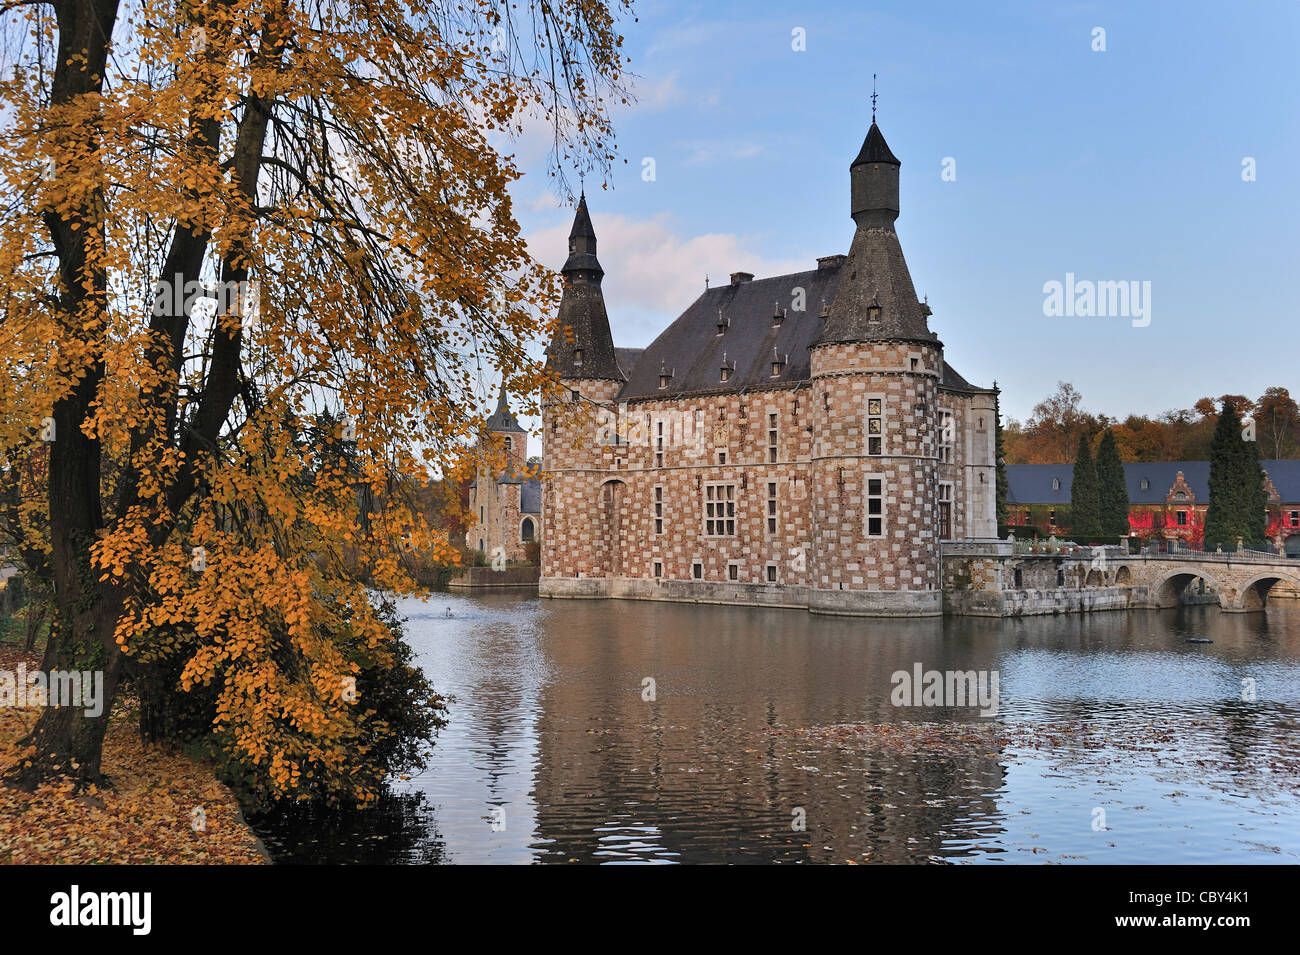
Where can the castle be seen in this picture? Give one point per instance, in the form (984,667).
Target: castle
(796,441)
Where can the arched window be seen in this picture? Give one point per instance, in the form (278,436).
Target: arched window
(527,531)
(508,443)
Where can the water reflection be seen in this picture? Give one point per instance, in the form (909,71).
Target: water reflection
(555,755)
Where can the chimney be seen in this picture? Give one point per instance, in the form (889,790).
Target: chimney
(830,261)
(738,277)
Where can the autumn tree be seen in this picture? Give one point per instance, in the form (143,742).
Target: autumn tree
(1277,423)
(1180,434)
(222,219)
(1054,427)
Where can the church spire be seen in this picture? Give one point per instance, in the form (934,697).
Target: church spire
(583,346)
(502,420)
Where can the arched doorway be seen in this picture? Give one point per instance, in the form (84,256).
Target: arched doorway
(527,529)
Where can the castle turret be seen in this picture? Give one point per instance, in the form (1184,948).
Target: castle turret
(873,178)
(583,348)
(876,367)
(581,355)
(876,299)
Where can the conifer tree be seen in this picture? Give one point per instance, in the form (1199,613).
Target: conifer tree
(1237,495)
(1000,474)
(1084,499)
(1112,494)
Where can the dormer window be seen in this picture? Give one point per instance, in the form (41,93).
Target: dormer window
(873,310)
(577,357)
(778,315)
(723,322)
(727,367)
(665,376)
(778,364)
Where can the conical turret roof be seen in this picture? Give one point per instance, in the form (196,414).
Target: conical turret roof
(583,346)
(502,420)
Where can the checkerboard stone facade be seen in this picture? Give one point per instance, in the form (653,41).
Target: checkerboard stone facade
(642,452)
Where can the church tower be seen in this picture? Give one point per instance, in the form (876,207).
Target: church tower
(581,511)
(496,496)
(876,368)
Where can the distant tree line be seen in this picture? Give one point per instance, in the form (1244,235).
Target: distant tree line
(1099,506)
(1052,432)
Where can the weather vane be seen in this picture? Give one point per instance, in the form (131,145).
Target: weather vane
(582,182)
(873,97)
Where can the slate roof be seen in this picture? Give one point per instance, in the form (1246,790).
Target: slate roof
(583,322)
(530,494)
(837,299)
(1032,483)
(876,300)
(530,497)
(875,274)
(692,350)
(627,359)
(502,419)
(875,149)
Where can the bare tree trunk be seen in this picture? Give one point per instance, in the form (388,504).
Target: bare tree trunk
(65,741)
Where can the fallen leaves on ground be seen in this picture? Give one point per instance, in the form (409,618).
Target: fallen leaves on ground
(145,813)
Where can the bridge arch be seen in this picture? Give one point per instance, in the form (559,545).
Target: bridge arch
(1168,588)
(1123,576)
(1253,594)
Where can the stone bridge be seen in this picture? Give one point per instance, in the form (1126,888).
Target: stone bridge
(1004,578)
(1241,580)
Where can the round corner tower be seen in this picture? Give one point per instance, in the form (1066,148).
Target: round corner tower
(876,368)
(581,355)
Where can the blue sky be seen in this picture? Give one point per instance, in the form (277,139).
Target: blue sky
(1122,165)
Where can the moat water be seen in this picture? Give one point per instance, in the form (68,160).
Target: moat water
(771,737)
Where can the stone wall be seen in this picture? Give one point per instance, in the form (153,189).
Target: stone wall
(486,578)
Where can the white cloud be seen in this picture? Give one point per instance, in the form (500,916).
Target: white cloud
(652,273)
